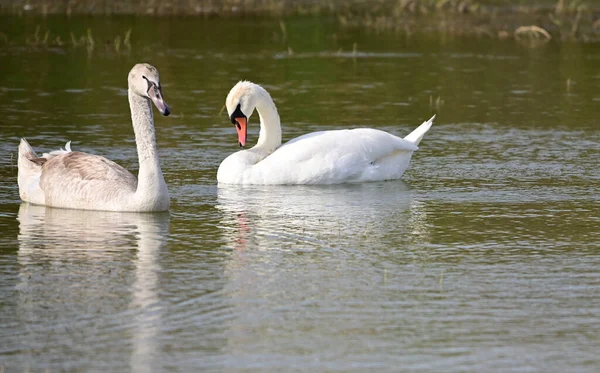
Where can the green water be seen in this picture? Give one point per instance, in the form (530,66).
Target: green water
(484,257)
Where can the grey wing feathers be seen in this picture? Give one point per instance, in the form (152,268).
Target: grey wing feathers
(89,167)
(84,173)
(38,161)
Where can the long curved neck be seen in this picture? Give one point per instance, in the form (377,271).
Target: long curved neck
(269,138)
(150,177)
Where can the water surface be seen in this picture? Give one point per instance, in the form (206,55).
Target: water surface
(483,258)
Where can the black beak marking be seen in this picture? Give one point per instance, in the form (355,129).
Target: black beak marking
(237,114)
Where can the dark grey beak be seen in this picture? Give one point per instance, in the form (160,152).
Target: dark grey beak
(155,94)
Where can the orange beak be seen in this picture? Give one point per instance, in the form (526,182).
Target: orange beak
(242,130)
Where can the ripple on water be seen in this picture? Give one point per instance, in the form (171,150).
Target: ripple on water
(77,90)
(483,258)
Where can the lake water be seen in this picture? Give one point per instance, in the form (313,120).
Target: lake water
(484,258)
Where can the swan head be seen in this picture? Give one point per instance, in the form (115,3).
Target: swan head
(240,103)
(143,80)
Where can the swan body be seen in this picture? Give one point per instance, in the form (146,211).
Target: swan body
(71,179)
(325,157)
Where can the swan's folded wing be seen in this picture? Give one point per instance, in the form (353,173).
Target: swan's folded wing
(361,144)
(334,156)
(85,176)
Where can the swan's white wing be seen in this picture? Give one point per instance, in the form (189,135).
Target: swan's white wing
(370,143)
(84,178)
(60,151)
(334,157)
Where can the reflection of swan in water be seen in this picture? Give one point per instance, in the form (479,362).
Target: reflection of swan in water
(320,215)
(77,292)
(312,263)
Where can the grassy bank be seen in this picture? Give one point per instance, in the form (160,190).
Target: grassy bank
(290,7)
(533,21)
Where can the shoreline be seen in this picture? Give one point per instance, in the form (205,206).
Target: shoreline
(563,20)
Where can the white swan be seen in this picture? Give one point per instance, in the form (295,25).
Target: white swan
(78,180)
(325,157)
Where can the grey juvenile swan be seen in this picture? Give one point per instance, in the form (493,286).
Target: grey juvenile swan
(77,180)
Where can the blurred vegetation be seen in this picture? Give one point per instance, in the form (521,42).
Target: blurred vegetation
(289,7)
(529,21)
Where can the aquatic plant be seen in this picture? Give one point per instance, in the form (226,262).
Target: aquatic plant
(284,7)
(562,19)
(86,40)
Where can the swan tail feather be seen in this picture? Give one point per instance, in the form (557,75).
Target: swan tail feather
(417,135)
(27,156)
(29,173)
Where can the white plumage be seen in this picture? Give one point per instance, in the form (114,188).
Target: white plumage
(325,157)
